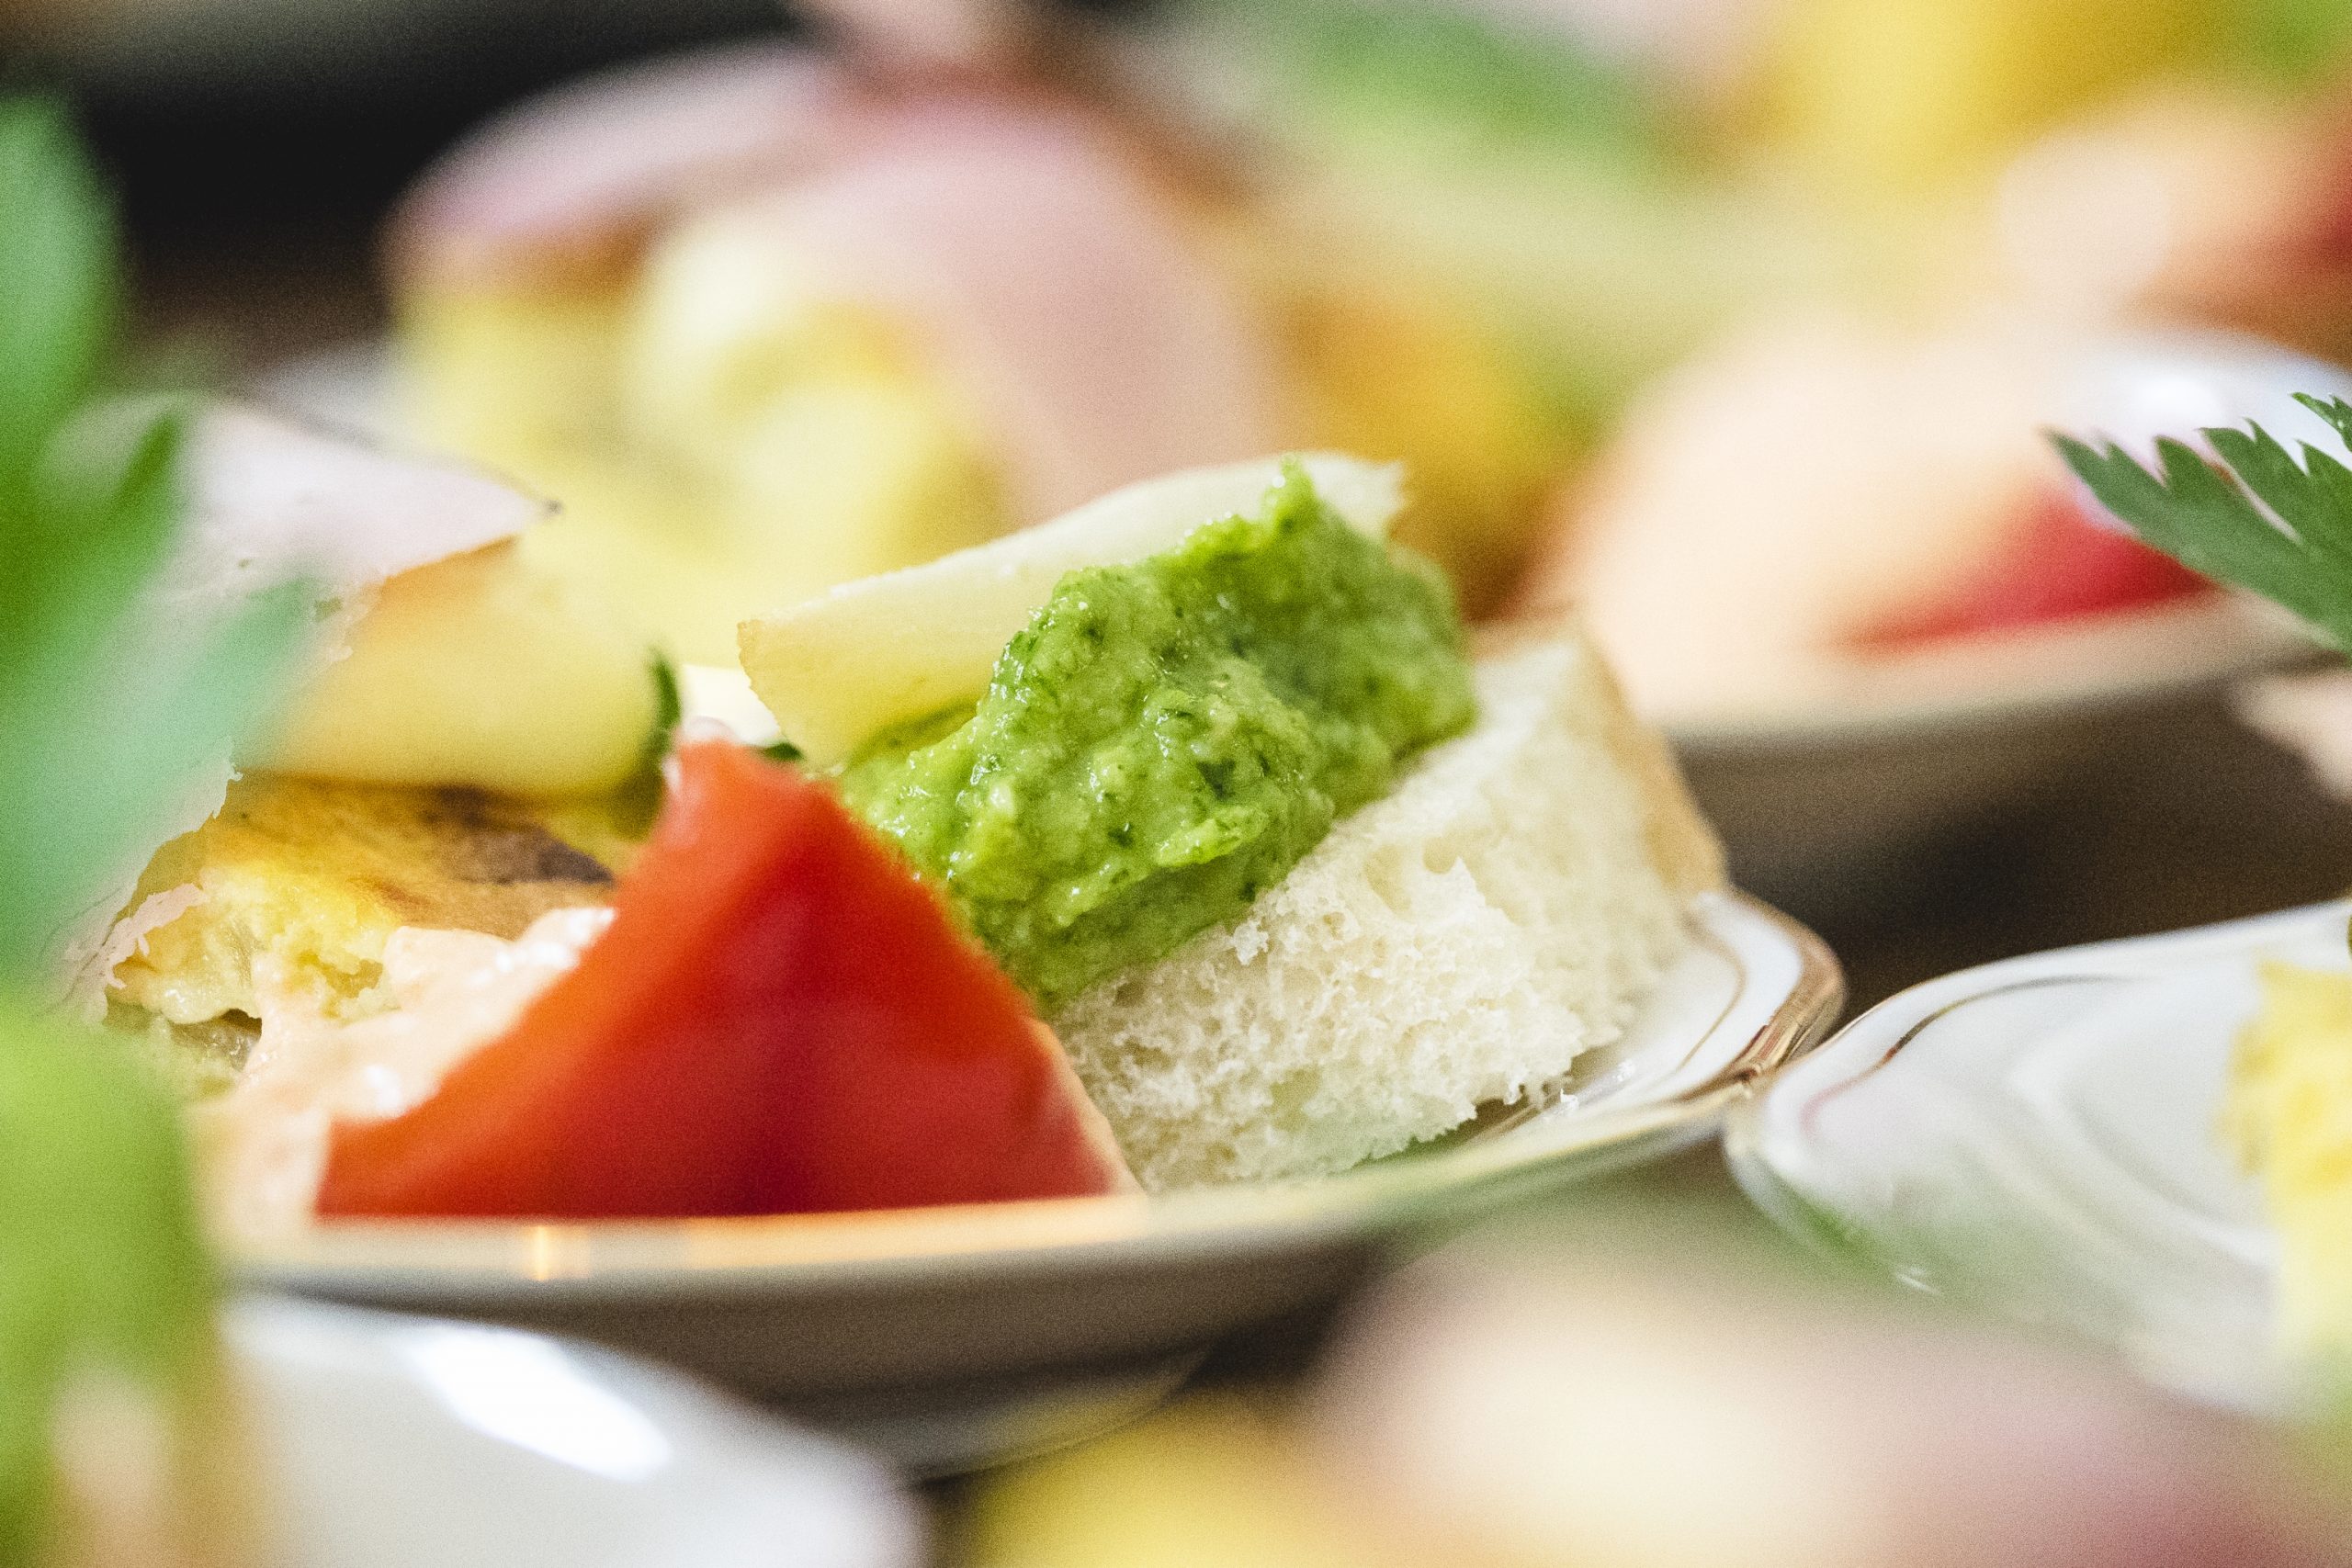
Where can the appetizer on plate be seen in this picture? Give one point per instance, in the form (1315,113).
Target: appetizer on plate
(468,745)
(1182,836)
(1207,769)
(1296,884)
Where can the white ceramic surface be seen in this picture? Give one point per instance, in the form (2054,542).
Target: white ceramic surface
(952,1335)
(398,1442)
(2040,1135)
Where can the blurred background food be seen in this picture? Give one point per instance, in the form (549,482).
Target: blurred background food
(766,328)
(1646,1387)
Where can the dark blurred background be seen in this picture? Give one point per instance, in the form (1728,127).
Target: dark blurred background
(258,143)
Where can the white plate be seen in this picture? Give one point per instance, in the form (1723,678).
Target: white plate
(952,1335)
(2040,1135)
(397,1442)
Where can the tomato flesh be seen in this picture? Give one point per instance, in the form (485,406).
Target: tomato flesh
(780,1018)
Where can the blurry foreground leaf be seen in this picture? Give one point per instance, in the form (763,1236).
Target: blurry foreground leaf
(109,711)
(102,1270)
(57,255)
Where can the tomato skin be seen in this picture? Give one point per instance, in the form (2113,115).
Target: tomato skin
(2060,566)
(780,1018)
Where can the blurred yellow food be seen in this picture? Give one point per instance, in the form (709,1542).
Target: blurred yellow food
(512,370)
(1395,370)
(288,894)
(1210,1481)
(1888,99)
(483,671)
(723,435)
(2289,1116)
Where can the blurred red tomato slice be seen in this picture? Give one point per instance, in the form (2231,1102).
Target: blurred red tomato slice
(2060,566)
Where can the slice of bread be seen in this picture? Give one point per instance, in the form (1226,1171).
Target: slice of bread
(1457,942)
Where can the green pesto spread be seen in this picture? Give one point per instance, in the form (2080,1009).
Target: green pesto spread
(1166,739)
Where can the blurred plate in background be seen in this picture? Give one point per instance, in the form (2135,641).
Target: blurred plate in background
(2042,1135)
(398,1442)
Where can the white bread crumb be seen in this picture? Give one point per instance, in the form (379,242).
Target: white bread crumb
(1457,942)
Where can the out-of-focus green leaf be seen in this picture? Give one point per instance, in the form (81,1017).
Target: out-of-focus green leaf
(111,706)
(58,281)
(101,1263)
(107,707)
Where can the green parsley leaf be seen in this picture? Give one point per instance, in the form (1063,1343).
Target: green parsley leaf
(57,255)
(2213,520)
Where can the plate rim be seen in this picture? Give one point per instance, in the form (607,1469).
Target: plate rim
(2128,957)
(1756,1133)
(2211,640)
(447,1260)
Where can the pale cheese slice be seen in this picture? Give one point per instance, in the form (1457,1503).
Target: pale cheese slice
(843,668)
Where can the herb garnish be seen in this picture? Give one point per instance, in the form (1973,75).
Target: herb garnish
(2213,520)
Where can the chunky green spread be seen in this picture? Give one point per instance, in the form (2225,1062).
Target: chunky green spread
(1166,739)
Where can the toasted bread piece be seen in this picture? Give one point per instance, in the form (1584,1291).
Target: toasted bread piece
(1459,942)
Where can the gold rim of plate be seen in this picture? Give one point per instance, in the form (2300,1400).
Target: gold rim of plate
(389,1260)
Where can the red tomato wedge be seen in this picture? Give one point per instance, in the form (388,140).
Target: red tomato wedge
(2061,565)
(780,1018)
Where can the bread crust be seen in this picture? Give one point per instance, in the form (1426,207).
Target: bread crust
(1681,841)
(1458,943)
